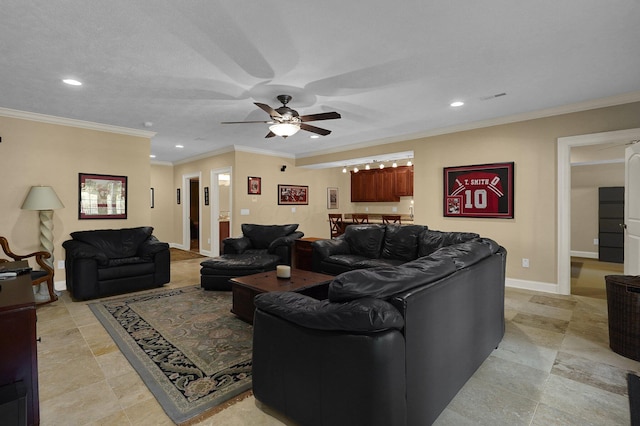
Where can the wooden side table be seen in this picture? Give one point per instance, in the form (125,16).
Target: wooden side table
(302,253)
(18,357)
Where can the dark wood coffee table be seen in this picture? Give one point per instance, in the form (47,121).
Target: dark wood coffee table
(244,289)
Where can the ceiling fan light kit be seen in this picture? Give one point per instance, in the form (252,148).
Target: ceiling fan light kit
(286,122)
(284,129)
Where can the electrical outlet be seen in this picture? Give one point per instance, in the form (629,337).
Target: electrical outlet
(208,240)
(595,242)
(293,209)
(366,209)
(525,262)
(394,209)
(244,212)
(60,264)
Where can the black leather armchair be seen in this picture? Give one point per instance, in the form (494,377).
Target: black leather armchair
(113,261)
(261,248)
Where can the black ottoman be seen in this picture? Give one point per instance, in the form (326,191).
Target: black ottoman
(216,272)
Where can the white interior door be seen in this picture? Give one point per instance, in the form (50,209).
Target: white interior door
(632,210)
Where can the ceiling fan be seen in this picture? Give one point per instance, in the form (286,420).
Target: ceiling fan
(286,121)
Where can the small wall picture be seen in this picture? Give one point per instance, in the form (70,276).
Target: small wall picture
(102,196)
(153,201)
(178,195)
(293,194)
(254,185)
(332,198)
(206,195)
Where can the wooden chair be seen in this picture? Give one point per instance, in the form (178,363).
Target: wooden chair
(45,274)
(360,218)
(336,224)
(392,218)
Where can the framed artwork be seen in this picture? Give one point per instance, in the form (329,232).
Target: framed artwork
(206,195)
(332,198)
(178,195)
(254,185)
(484,190)
(153,201)
(102,196)
(293,194)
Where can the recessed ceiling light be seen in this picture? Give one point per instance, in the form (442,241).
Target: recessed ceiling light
(152,156)
(457,104)
(314,136)
(179,146)
(72,82)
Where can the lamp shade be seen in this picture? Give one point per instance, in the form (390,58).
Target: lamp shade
(42,198)
(284,129)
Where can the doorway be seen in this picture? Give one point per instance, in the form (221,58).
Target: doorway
(564,195)
(194,214)
(191,212)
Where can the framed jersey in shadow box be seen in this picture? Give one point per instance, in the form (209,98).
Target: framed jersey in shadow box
(484,190)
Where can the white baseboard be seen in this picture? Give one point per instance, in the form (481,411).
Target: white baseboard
(585,254)
(532,285)
(60,285)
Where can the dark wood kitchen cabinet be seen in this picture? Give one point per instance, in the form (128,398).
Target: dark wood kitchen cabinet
(379,185)
(404,181)
(18,352)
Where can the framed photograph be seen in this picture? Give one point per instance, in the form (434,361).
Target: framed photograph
(178,195)
(254,185)
(332,198)
(206,195)
(153,201)
(102,196)
(484,190)
(293,194)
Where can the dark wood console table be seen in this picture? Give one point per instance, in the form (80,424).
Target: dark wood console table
(18,352)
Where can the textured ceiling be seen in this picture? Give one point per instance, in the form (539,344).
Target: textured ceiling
(390,69)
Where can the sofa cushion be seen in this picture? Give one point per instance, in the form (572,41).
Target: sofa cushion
(126,271)
(115,243)
(262,235)
(385,282)
(365,315)
(463,254)
(233,262)
(377,263)
(431,241)
(365,240)
(401,242)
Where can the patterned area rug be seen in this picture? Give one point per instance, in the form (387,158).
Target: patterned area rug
(187,347)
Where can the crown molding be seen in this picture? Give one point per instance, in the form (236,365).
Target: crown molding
(610,101)
(50,119)
(271,153)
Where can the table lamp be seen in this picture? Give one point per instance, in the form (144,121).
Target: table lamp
(45,200)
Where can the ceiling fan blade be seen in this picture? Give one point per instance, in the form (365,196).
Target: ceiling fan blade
(270,135)
(266,108)
(242,122)
(314,129)
(322,116)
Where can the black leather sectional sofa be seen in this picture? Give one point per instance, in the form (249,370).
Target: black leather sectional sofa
(111,261)
(392,345)
(373,245)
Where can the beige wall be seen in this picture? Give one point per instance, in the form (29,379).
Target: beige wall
(162,215)
(532,145)
(585,181)
(36,153)
(33,153)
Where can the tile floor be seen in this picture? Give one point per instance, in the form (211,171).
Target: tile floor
(554,367)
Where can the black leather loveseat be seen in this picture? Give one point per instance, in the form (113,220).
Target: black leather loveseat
(261,248)
(390,346)
(374,245)
(113,261)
